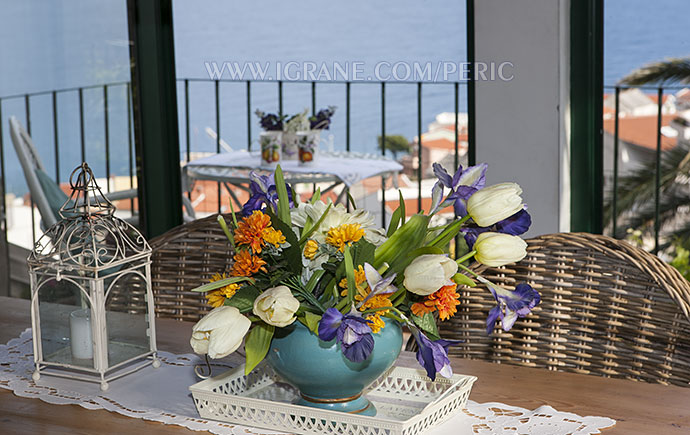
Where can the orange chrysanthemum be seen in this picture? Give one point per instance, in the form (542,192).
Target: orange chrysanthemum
(251,231)
(345,234)
(217,297)
(246,264)
(444,300)
(360,277)
(421,308)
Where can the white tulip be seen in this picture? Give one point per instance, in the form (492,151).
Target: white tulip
(220,332)
(276,306)
(496,249)
(494,203)
(428,273)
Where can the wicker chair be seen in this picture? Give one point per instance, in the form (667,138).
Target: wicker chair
(608,309)
(183,258)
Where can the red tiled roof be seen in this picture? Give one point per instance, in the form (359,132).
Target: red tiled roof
(641,130)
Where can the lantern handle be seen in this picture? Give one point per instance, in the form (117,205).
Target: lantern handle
(199,369)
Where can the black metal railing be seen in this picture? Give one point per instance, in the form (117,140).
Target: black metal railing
(613,202)
(30,103)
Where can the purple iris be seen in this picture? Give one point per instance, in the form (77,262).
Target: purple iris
(263,192)
(510,305)
(515,225)
(270,121)
(433,355)
(462,185)
(352,331)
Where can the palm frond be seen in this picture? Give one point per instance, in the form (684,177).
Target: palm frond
(669,70)
(638,188)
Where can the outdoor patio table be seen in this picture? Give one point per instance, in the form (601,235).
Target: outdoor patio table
(336,168)
(638,407)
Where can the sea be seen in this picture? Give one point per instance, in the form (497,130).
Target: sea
(63,44)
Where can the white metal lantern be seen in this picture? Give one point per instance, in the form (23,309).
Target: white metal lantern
(92,308)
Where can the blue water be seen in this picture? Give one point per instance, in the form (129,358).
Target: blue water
(55,44)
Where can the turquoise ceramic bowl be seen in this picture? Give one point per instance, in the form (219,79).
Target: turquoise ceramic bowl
(325,378)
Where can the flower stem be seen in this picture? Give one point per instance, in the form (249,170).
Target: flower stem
(466,269)
(465,257)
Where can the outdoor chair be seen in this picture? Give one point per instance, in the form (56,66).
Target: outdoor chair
(46,193)
(607,308)
(183,258)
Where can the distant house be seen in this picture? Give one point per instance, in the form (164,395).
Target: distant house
(637,129)
(438,145)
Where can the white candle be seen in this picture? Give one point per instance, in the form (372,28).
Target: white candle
(80,334)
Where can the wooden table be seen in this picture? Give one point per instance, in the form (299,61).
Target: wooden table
(638,407)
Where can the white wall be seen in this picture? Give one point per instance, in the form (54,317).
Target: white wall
(520,125)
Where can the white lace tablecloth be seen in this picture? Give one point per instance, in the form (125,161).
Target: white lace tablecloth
(162,395)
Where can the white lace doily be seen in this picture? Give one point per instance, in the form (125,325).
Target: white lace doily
(162,395)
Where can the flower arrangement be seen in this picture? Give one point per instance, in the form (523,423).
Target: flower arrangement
(339,274)
(322,119)
(270,121)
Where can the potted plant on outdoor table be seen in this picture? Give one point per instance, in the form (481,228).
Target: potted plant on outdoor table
(322,293)
(308,140)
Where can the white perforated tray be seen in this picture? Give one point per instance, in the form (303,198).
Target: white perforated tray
(407,403)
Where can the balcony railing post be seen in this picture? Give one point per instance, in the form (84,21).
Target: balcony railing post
(657,178)
(188,150)
(5,268)
(419,146)
(313,98)
(249,115)
(106,127)
(218,136)
(81,124)
(27,108)
(280,98)
(614,223)
(56,141)
(130,148)
(383,152)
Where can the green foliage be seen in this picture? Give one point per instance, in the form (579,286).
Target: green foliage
(283,201)
(293,253)
(221,283)
(395,143)
(681,261)
(669,70)
(244,298)
(427,323)
(257,344)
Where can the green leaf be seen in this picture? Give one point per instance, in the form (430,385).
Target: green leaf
(221,283)
(350,274)
(257,344)
(363,252)
(310,231)
(244,298)
(351,200)
(311,321)
(427,324)
(394,223)
(461,279)
(314,280)
(402,207)
(283,199)
(316,196)
(447,234)
(224,227)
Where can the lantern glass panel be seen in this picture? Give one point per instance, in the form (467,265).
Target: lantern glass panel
(65,323)
(127,316)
